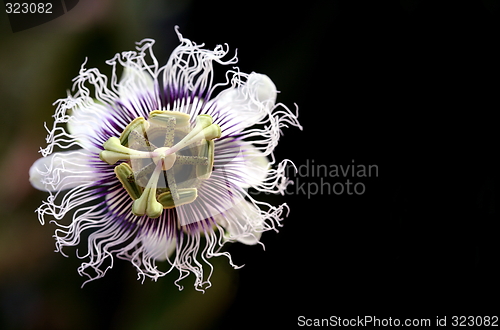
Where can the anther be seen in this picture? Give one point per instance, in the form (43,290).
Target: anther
(115,151)
(186,196)
(126,176)
(162,118)
(139,125)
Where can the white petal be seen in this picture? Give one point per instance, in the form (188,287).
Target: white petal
(263,87)
(89,115)
(159,248)
(255,166)
(248,104)
(86,120)
(62,170)
(243,223)
(258,90)
(133,82)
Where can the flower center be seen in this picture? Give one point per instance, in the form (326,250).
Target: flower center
(163,159)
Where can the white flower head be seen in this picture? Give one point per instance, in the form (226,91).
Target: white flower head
(156,167)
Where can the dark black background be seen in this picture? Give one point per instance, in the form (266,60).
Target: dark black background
(410,86)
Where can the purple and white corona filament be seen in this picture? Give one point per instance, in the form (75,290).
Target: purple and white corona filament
(155,166)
